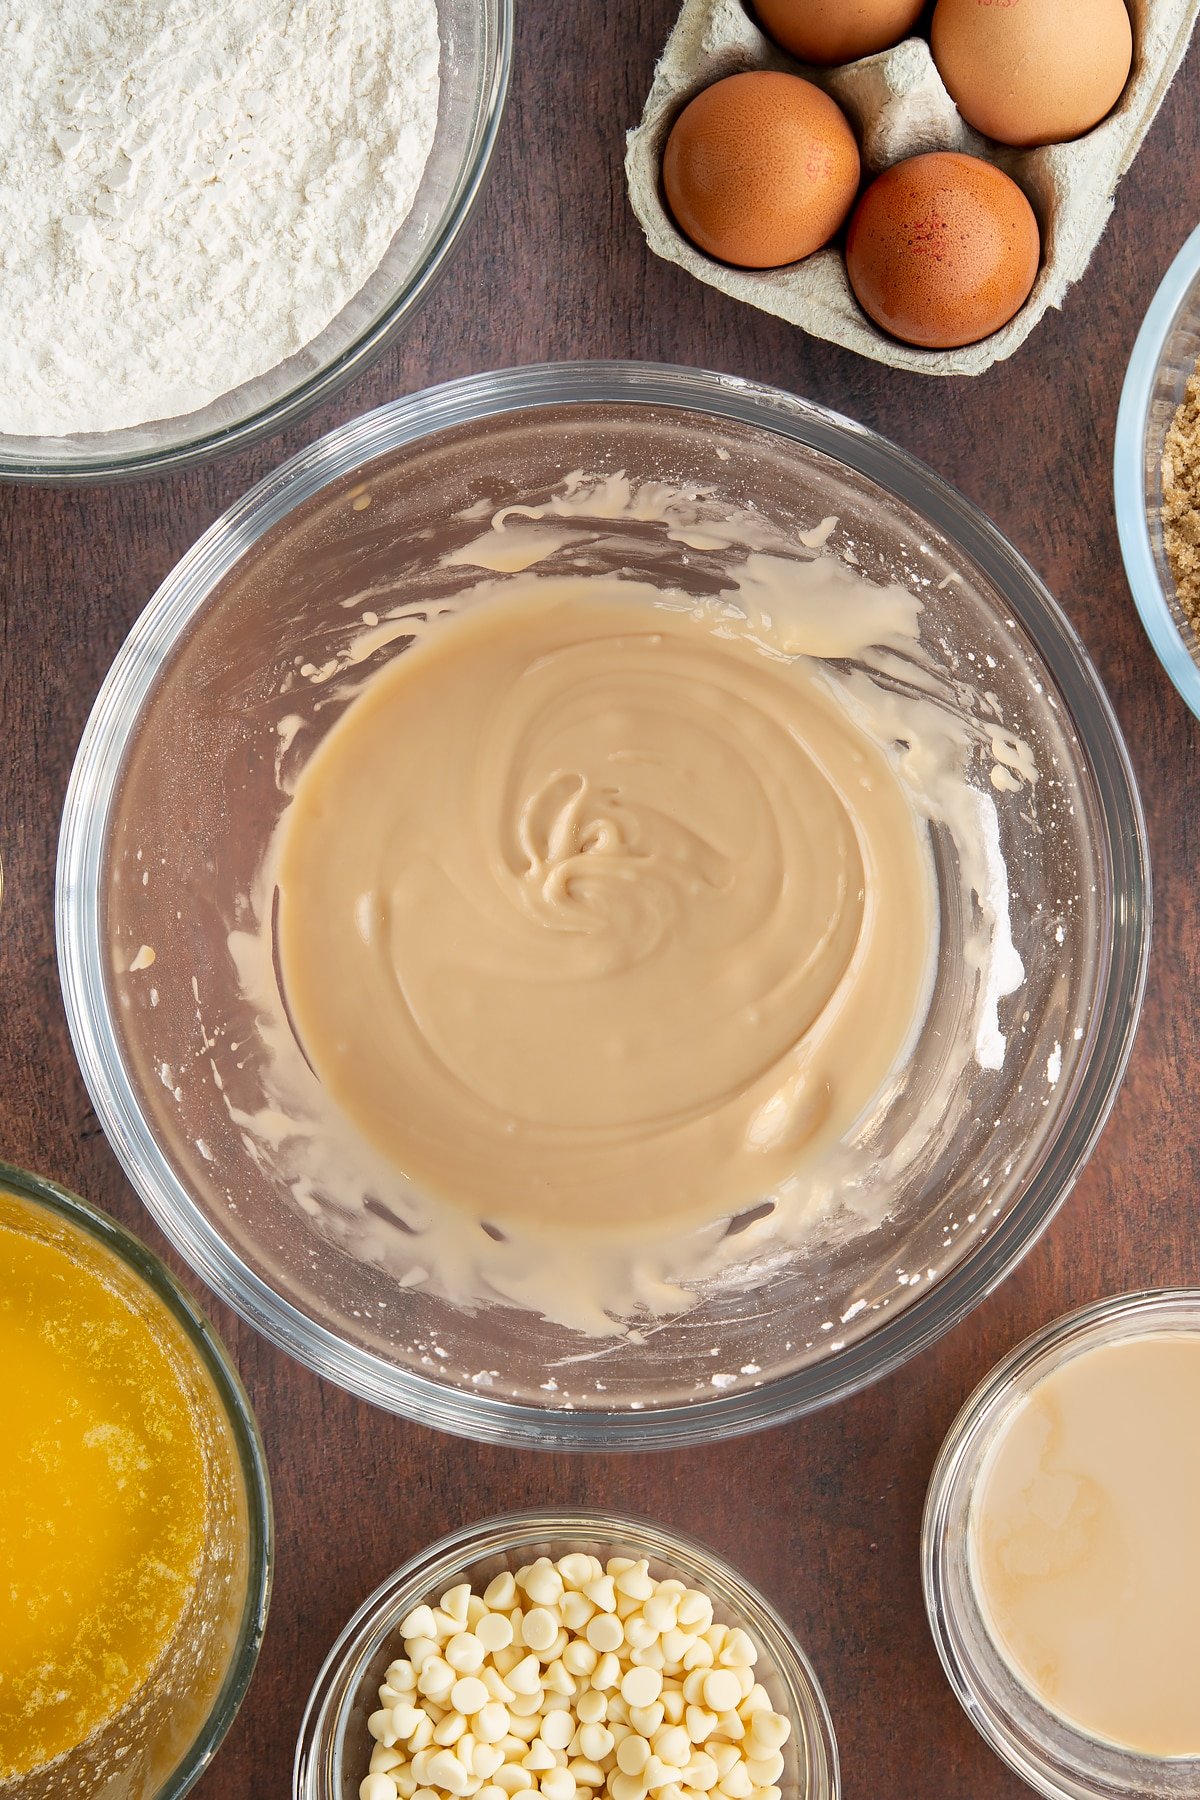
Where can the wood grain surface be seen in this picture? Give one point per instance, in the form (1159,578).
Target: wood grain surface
(823,1514)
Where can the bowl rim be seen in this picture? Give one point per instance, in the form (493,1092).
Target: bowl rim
(202,1336)
(505,1533)
(947,1509)
(1125,930)
(106,465)
(1129,490)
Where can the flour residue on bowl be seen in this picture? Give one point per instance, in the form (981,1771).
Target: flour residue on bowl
(679,1210)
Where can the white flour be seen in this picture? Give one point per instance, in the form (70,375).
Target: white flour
(190,193)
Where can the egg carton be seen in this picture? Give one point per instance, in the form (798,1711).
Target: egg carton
(899,107)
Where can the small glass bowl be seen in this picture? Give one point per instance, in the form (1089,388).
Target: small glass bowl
(1055,1758)
(121,1760)
(334,1746)
(476,56)
(1164,356)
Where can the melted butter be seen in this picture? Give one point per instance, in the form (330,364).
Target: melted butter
(102,1491)
(1085,1543)
(601,916)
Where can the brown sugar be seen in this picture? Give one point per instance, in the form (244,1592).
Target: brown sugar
(1181,501)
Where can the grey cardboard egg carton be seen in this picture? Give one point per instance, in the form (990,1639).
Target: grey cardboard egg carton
(899,107)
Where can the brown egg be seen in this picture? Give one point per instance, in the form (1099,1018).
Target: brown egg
(1033,71)
(837,31)
(942,250)
(761,169)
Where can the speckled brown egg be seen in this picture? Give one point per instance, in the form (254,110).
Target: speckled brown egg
(1033,71)
(942,250)
(760,169)
(837,31)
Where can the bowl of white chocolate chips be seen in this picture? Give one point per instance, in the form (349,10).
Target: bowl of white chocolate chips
(579,1656)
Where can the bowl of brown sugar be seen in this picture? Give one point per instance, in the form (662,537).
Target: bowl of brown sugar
(1157,472)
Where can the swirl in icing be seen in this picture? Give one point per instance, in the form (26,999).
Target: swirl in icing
(595,917)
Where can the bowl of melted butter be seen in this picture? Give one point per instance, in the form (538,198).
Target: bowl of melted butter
(135,1513)
(602,904)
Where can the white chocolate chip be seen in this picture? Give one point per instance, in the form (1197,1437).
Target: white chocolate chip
(768,1729)
(641,1686)
(722,1690)
(499,1594)
(575,1569)
(511,1778)
(661,1610)
(418,1624)
(737,1652)
(558,1728)
(436,1679)
(695,1610)
(672,1745)
(635,1581)
(377,1787)
(447,1772)
(468,1695)
(579,1658)
(633,1753)
(383,1760)
(491,1722)
(539,1628)
(544,1584)
(526,1678)
(701,1772)
(558,1680)
(587,1774)
(673,1705)
(422,1734)
(595,1742)
(493,1631)
(456,1602)
(701,1723)
(602,1593)
(605,1632)
(647,1719)
(764,1770)
(464,1652)
(736,1783)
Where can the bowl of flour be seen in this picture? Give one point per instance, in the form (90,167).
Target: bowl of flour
(212,218)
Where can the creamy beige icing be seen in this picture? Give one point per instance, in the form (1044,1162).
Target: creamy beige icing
(1085,1542)
(602,916)
(856,642)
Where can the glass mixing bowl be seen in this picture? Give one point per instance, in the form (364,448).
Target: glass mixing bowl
(334,1745)
(1056,1758)
(1165,354)
(476,46)
(175,792)
(166,1735)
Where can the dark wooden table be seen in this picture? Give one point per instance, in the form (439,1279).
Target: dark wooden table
(823,1514)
